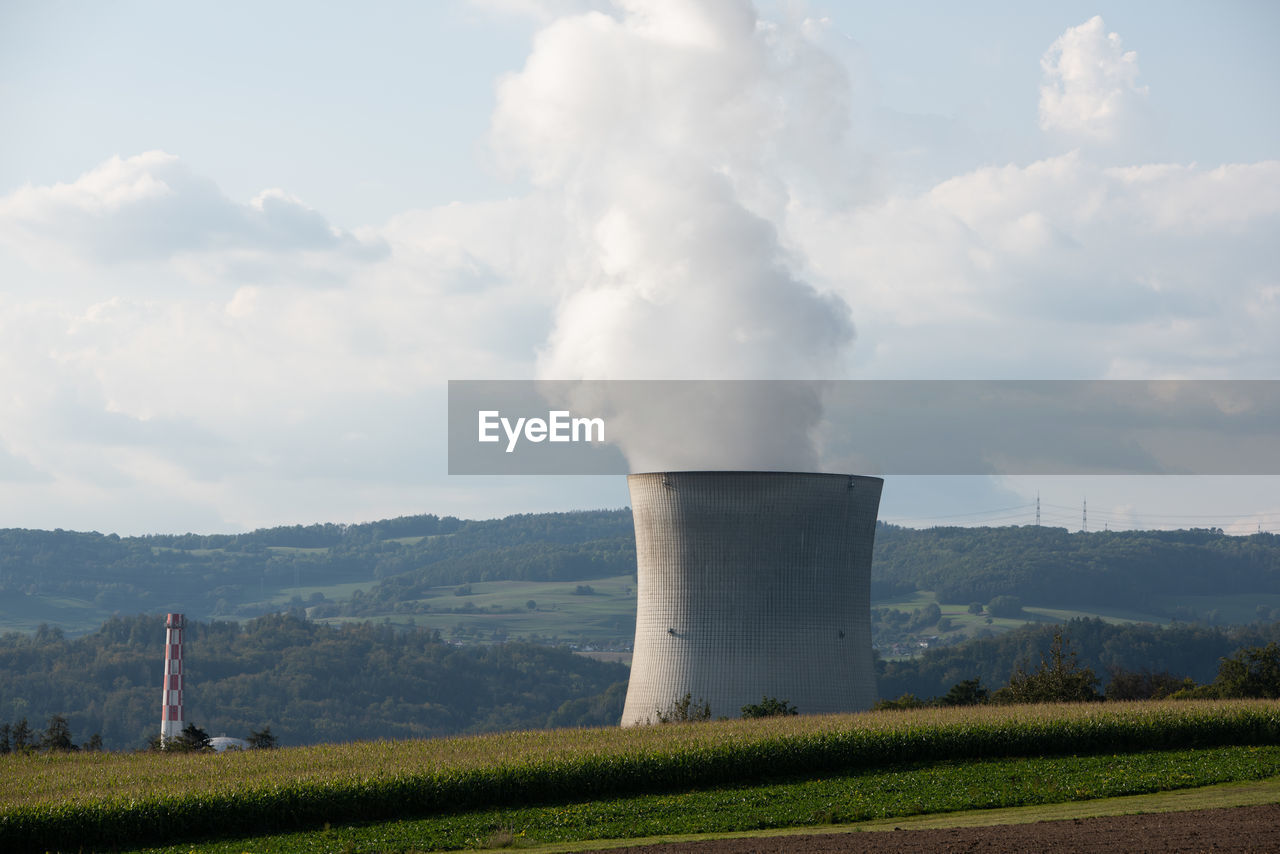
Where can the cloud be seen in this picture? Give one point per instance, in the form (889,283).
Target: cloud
(1090,90)
(697,210)
(152,206)
(1061,267)
(200,365)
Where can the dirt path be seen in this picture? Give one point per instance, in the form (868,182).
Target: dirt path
(1252,829)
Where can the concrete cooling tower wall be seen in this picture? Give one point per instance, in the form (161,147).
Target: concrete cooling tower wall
(752,584)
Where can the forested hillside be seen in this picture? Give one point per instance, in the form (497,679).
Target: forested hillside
(76,580)
(311,683)
(1115,569)
(401,567)
(307,681)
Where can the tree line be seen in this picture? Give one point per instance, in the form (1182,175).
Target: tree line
(307,681)
(1250,673)
(1117,569)
(405,561)
(1127,656)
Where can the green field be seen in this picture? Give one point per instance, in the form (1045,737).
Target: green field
(930,789)
(606,617)
(499,609)
(771,773)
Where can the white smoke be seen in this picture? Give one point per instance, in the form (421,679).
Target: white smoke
(669,133)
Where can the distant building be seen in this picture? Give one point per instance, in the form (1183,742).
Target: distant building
(225,742)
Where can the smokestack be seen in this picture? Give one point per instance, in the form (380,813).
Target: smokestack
(172,718)
(752,584)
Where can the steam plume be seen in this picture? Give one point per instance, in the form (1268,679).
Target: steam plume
(670,134)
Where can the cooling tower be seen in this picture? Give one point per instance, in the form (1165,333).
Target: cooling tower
(752,584)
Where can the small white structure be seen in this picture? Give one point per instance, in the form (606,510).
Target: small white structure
(224,743)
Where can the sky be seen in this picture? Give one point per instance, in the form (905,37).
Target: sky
(244,247)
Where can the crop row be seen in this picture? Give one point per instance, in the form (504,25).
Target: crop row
(624,762)
(893,793)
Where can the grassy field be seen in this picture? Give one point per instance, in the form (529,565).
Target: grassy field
(924,789)
(501,610)
(964,624)
(120,799)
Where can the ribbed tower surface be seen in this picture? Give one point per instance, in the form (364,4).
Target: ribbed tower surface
(752,584)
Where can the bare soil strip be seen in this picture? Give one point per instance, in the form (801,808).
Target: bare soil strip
(1216,818)
(1235,829)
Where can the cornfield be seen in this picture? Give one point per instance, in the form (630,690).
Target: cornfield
(71,800)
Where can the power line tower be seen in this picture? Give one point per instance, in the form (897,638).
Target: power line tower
(1037,508)
(1084,517)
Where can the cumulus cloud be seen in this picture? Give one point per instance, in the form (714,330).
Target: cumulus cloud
(1090,89)
(1063,267)
(198,370)
(152,206)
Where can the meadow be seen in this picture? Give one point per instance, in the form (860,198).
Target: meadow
(123,800)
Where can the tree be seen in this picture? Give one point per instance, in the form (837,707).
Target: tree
(1005,606)
(906,701)
(924,617)
(1059,679)
(531,605)
(262,740)
(967,693)
(57,737)
(94,744)
(1144,685)
(5,746)
(769,707)
(1251,672)
(192,740)
(975,608)
(685,710)
(20,737)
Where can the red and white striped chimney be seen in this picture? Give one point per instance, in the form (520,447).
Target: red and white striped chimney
(171,716)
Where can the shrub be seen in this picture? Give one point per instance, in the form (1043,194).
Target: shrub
(1059,679)
(906,701)
(1252,672)
(685,710)
(769,707)
(967,693)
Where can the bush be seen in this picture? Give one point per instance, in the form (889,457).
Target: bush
(1251,672)
(769,707)
(906,701)
(1144,685)
(967,693)
(685,710)
(1058,680)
